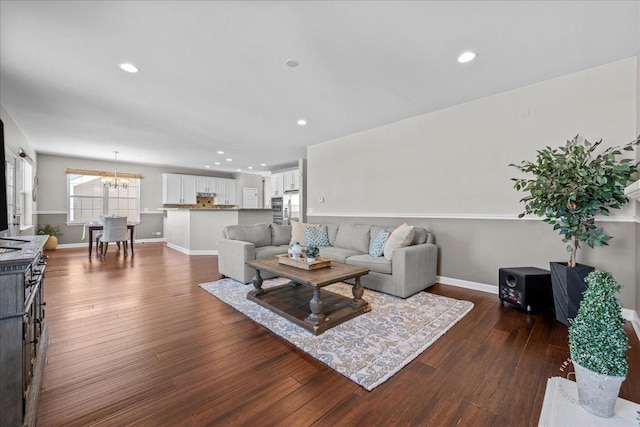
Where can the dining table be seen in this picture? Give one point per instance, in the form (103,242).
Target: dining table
(91,227)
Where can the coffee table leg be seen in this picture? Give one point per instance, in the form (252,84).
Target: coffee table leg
(358,291)
(257,284)
(317,316)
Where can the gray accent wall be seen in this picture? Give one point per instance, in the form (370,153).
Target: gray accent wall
(448,171)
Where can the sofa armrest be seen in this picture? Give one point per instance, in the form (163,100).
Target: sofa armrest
(414,267)
(232,258)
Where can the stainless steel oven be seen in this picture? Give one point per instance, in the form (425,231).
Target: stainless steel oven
(277,208)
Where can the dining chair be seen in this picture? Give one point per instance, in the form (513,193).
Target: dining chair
(115,230)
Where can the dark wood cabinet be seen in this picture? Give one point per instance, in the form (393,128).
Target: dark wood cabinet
(23,332)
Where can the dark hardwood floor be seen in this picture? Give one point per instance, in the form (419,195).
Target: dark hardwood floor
(135,341)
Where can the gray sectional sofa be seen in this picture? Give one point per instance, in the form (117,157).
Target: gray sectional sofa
(411,269)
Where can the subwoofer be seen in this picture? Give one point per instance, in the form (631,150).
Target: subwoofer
(528,288)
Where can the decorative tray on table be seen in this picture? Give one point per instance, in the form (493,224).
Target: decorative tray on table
(320,262)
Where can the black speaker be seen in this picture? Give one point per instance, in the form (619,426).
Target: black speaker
(528,288)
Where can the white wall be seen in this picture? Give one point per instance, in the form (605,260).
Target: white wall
(14,139)
(455,161)
(448,171)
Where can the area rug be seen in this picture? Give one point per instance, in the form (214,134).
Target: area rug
(368,349)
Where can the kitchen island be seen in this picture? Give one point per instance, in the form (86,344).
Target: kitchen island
(196,231)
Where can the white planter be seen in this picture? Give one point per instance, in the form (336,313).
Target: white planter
(597,393)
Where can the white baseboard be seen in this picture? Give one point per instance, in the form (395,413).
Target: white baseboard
(632,316)
(467,284)
(627,313)
(191,252)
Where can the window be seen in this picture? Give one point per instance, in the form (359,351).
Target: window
(26,194)
(89,199)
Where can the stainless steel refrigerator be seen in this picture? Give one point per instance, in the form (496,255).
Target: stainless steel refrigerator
(290,207)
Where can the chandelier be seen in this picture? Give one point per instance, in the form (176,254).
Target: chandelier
(114,181)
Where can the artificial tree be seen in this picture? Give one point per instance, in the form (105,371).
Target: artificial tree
(570,186)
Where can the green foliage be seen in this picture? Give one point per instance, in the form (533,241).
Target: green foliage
(49,229)
(597,340)
(573,184)
(312,251)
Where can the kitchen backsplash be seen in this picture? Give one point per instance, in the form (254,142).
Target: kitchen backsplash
(202,203)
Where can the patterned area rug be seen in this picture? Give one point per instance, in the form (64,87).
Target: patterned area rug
(368,349)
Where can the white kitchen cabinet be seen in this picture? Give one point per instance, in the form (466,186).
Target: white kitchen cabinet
(277,185)
(221,192)
(225,191)
(206,184)
(178,189)
(230,190)
(291,180)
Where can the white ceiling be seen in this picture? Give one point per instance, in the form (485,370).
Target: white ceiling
(213,74)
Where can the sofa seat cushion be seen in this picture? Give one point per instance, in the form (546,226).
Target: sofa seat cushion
(270,251)
(258,234)
(354,236)
(338,254)
(377,264)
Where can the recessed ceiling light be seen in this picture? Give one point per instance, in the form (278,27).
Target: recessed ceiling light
(263,164)
(302,122)
(207,166)
(129,68)
(220,152)
(217,163)
(292,63)
(250,167)
(229,160)
(238,170)
(466,57)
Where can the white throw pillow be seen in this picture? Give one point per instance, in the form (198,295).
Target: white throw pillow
(297,232)
(400,237)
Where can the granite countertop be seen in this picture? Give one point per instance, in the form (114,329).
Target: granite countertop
(213,209)
(229,209)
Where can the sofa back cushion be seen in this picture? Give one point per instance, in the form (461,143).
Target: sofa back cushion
(354,236)
(280,234)
(258,234)
(332,231)
(422,236)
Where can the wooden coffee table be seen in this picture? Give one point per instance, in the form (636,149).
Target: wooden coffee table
(302,301)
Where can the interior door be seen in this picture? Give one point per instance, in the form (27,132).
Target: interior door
(249,197)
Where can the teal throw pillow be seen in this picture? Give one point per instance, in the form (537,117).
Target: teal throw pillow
(377,248)
(316,236)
